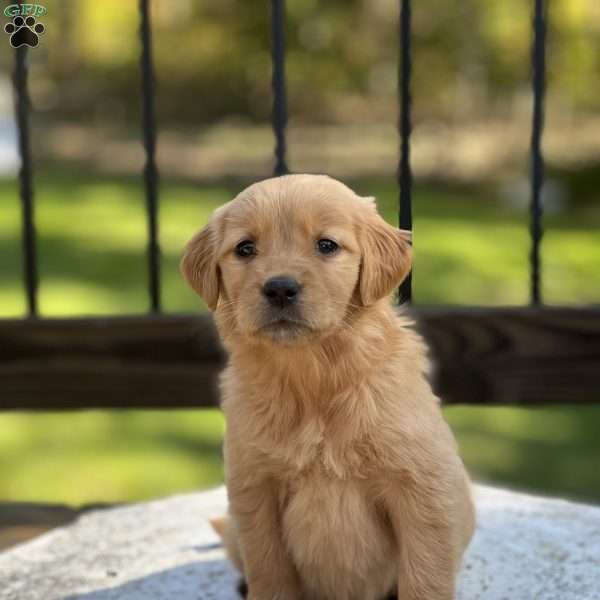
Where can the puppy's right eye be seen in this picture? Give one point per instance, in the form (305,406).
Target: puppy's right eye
(245,249)
(327,246)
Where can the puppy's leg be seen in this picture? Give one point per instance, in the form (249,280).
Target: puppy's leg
(268,568)
(223,526)
(429,539)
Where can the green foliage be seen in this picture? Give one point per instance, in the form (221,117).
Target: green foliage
(212,58)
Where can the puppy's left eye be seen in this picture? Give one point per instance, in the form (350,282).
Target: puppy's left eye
(245,249)
(325,246)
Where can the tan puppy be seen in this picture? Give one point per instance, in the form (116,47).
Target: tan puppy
(344,480)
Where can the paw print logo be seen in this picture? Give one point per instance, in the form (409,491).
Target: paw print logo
(24,32)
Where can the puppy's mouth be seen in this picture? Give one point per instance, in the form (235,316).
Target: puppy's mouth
(285,327)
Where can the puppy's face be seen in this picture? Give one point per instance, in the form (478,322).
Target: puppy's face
(290,258)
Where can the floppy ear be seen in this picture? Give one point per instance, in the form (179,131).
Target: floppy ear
(386,259)
(199,265)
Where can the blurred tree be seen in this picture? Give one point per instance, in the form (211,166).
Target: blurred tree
(212,58)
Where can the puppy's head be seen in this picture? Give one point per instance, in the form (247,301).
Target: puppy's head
(291,257)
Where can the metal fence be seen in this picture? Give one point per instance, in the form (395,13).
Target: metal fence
(529,355)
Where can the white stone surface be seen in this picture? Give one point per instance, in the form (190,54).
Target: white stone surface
(526,548)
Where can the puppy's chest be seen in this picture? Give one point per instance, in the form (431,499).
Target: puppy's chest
(334,527)
(314,448)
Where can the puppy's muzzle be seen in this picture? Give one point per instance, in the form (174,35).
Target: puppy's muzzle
(281,291)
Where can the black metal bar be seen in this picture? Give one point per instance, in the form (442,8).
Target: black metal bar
(404,171)
(537,161)
(150,169)
(22,105)
(278,84)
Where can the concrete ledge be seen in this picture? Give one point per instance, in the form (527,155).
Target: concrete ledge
(525,548)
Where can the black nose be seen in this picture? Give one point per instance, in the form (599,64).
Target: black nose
(281,291)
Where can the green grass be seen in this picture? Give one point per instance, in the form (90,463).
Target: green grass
(91,244)
(108,456)
(470,249)
(546,450)
(133,455)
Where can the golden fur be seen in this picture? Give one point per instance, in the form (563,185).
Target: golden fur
(343,478)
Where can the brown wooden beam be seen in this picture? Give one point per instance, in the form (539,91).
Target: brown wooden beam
(125,362)
(482,356)
(515,355)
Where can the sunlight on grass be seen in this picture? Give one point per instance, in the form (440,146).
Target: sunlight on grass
(458,260)
(571,266)
(12,297)
(184,210)
(108,456)
(132,455)
(549,450)
(60,296)
(92,246)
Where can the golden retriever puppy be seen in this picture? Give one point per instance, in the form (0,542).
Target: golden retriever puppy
(343,478)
